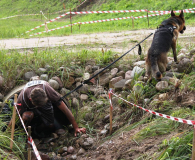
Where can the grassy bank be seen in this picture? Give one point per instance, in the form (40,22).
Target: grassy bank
(17,26)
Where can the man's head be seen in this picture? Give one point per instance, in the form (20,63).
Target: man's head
(38,97)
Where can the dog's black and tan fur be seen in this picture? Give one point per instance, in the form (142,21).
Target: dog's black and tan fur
(165,38)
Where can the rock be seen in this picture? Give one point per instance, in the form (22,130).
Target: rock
(114,80)
(54,84)
(81,151)
(44,77)
(103,132)
(34,78)
(140,64)
(121,73)
(113,72)
(165,78)
(69,82)
(136,71)
(183,50)
(62,150)
(70,150)
(48,67)
(59,81)
(89,116)
(83,89)
(73,157)
(84,97)
(28,75)
(169,74)
(192,52)
(64,154)
(181,55)
(42,70)
(125,67)
(88,68)
(146,101)
(163,96)
(88,143)
(105,79)
(185,66)
(120,84)
(60,132)
(162,85)
(75,103)
(99,103)
(86,76)
(192,58)
(99,70)
(64,91)
(128,75)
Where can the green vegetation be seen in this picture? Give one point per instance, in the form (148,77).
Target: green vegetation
(14,64)
(17,26)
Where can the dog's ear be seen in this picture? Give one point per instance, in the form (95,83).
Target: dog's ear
(172,13)
(181,14)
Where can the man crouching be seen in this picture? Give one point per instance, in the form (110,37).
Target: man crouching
(42,108)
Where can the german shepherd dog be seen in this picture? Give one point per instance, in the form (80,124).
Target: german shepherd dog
(164,38)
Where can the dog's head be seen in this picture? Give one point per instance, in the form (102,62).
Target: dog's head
(179,20)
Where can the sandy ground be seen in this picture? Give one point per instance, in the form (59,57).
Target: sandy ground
(119,42)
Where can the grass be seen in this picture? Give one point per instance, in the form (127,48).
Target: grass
(16,27)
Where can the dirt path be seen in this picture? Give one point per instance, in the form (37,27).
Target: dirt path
(118,42)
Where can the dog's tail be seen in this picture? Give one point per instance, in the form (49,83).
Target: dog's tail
(155,69)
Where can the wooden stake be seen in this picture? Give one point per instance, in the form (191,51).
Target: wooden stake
(148,18)
(193,146)
(29,145)
(70,20)
(13,121)
(110,116)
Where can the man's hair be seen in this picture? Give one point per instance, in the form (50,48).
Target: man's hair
(38,97)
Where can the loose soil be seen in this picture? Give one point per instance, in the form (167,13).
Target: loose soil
(118,42)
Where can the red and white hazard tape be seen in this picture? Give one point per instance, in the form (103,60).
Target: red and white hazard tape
(20,16)
(30,140)
(63,15)
(190,122)
(46,23)
(110,99)
(122,11)
(53,29)
(128,11)
(90,22)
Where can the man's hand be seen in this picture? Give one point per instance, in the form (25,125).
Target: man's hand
(79,130)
